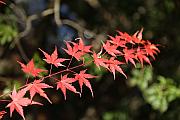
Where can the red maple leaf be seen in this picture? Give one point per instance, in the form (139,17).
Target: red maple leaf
(111,49)
(18,102)
(84,48)
(151,49)
(77,50)
(36,87)
(99,61)
(118,41)
(137,37)
(129,55)
(125,36)
(82,79)
(141,56)
(73,51)
(30,68)
(53,58)
(113,66)
(66,83)
(78,55)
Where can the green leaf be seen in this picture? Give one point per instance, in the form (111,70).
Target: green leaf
(158,94)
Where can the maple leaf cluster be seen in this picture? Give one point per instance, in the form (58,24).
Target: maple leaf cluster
(129,48)
(77,50)
(116,51)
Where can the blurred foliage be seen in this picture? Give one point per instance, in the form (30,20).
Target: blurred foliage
(116,115)
(10,85)
(160,94)
(8,28)
(39,63)
(157,93)
(141,78)
(7,33)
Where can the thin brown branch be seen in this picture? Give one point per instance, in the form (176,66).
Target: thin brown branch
(27,30)
(32,18)
(75,25)
(57,12)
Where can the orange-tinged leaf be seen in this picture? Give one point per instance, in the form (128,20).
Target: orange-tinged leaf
(30,68)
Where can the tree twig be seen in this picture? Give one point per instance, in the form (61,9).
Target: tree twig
(50,11)
(57,12)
